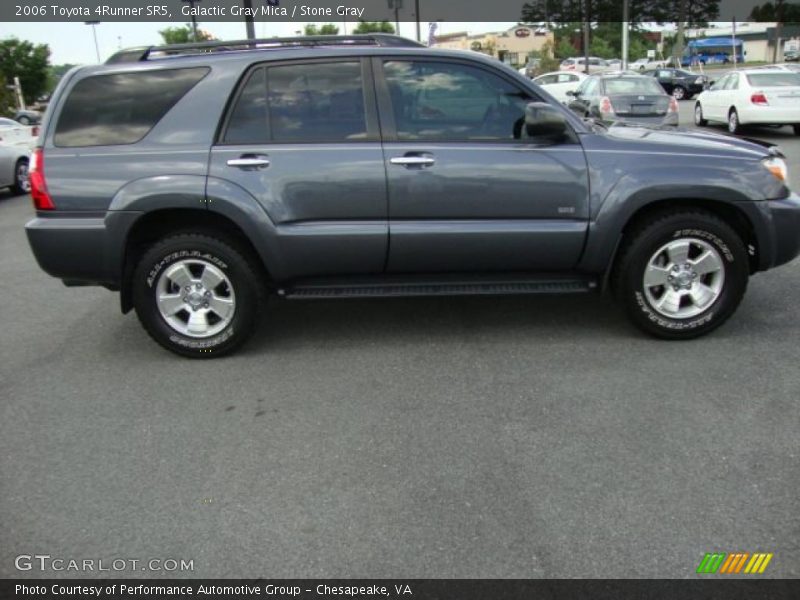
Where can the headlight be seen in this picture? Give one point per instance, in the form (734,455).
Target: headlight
(776,166)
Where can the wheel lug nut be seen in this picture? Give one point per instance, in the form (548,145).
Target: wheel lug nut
(207,294)
(186,299)
(205,305)
(188,289)
(198,286)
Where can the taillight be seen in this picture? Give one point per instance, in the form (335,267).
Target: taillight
(41,198)
(759,98)
(35,131)
(673,105)
(605,105)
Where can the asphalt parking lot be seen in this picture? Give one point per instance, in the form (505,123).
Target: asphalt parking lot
(470,437)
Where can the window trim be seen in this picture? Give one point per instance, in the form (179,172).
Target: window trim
(386,109)
(368,90)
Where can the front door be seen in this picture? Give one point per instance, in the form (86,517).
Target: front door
(468,191)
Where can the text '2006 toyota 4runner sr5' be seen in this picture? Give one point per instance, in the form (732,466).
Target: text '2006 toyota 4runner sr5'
(195,179)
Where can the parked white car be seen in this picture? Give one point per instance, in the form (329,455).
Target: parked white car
(15,134)
(645,64)
(751,97)
(596,65)
(14,160)
(558,83)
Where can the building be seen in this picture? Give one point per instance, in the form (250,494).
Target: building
(512,46)
(759,39)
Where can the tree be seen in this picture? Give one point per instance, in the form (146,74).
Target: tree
(374,27)
(55,73)
(565,49)
(601,48)
(183,35)
(327,29)
(28,62)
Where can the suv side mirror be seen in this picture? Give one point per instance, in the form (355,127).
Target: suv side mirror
(573,93)
(544,120)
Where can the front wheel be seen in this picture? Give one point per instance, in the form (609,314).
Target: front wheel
(796,129)
(682,275)
(22,183)
(197,295)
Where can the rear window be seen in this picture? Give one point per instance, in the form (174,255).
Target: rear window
(634,85)
(774,79)
(109,110)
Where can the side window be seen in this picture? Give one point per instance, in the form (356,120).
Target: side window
(564,78)
(590,88)
(548,79)
(453,102)
(106,110)
(733,82)
(720,85)
(572,78)
(665,74)
(314,102)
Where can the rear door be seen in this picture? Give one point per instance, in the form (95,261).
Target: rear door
(467,191)
(302,138)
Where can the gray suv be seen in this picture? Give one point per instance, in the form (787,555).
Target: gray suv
(196,179)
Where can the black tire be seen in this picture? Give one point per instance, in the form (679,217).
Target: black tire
(644,244)
(21,182)
(24,120)
(698,116)
(200,250)
(734,127)
(796,128)
(679,93)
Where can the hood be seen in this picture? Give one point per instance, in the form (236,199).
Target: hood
(673,139)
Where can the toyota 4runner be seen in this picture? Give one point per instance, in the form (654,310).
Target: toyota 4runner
(196,179)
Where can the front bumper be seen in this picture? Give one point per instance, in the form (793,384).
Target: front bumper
(783,217)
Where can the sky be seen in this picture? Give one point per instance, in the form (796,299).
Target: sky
(73,42)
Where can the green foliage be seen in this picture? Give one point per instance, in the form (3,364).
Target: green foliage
(779,11)
(327,29)
(547,60)
(374,27)
(27,61)
(565,49)
(54,75)
(183,35)
(600,47)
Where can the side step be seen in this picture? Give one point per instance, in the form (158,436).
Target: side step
(465,287)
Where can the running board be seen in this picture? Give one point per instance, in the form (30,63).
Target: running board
(313,291)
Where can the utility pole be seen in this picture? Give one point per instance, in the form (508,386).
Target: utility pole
(416,13)
(194,21)
(94,25)
(248,19)
(625,30)
(586,36)
(396,5)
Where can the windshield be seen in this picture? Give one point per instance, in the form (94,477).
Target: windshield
(774,79)
(632,85)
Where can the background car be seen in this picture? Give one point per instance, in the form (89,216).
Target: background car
(644,64)
(596,65)
(28,117)
(751,97)
(558,83)
(681,84)
(624,97)
(14,161)
(13,133)
(791,56)
(529,70)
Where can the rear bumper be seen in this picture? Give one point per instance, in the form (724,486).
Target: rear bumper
(769,115)
(81,250)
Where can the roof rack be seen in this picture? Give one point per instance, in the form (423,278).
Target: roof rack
(310,41)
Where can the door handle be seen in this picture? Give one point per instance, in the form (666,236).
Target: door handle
(413,161)
(251,162)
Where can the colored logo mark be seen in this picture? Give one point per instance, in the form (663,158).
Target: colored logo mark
(734,563)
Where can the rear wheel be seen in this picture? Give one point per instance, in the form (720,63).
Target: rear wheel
(678,92)
(22,184)
(23,120)
(733,122)
(197,295)
(682,275)
(698,116)
(796,128)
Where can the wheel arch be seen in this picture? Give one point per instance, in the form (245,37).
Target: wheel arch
(154,225)
(729,212)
